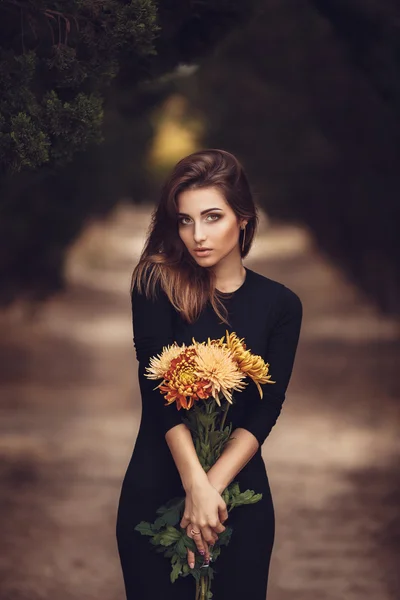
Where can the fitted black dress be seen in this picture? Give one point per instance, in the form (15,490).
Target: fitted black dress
(268,315)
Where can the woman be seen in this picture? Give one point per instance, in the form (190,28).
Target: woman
(190,282)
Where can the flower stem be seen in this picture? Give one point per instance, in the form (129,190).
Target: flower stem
(203,588)
(224,417)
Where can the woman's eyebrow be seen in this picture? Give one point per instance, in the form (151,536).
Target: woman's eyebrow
(203,212)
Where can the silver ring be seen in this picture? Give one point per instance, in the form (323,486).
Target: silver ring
(193,532)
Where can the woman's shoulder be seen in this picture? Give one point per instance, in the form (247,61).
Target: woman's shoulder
(275,291)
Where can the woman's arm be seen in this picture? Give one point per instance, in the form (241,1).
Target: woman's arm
(262,413)
(282,346)
(180,443)
(153,329)
(205,510)
(240,448)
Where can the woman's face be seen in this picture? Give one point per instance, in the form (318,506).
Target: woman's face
(205,220)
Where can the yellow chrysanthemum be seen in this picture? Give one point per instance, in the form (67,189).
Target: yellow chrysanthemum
(160,364)
(252,365)
(215,364)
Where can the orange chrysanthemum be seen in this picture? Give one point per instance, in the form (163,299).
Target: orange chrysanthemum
(182,384)
(208,369)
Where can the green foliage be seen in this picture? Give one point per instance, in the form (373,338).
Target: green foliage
(145,528)
(176,568)
(202,421)
(169,513)
(28,145)
(167,536)
(237,498)
(53,78)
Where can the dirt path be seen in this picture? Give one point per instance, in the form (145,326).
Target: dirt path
(69,417)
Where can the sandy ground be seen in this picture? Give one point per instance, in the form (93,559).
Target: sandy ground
(70,413)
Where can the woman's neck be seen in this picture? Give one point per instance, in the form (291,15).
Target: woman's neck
(229,277)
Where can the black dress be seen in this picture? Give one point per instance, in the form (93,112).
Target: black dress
(268,315)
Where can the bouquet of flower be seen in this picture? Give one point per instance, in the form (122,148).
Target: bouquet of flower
(197,378)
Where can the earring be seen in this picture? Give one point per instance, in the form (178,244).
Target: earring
(244,237)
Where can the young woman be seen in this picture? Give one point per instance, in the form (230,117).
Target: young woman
(190,282)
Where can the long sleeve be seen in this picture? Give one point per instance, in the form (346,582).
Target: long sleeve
(152,330)
(262,413)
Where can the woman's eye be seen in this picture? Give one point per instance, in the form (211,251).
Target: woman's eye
(186,220)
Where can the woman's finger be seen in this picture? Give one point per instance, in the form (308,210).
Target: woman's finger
(214,535)
(223,512)
(184,522)
(209,535)
(219,528)
(197,538)
(191,558)
(207,554)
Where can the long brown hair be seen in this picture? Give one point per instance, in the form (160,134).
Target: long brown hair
(165,259)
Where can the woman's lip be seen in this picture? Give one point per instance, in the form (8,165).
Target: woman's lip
(201,250)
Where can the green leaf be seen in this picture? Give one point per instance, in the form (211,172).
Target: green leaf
(256,498)
(215,437)
(169,551)
(155,540)
(216,552)
(247,497)
(205,447)
(224,537)
(176,502)
(176,571)
(247,494)
(189,543)
(196,574)
(225,496)
(180,547)
(170,517)
(170,513)
(169,536)
(207,420)
(145,528)
(234,489)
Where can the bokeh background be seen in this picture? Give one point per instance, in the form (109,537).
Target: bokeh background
(99,99)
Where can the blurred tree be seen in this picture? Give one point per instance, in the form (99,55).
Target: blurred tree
(370,32)
(55,60)
(300,95)
(58,60)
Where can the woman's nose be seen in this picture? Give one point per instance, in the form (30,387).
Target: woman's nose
(198,234)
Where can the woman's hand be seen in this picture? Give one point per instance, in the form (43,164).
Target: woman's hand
(201,544)
(206,510)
